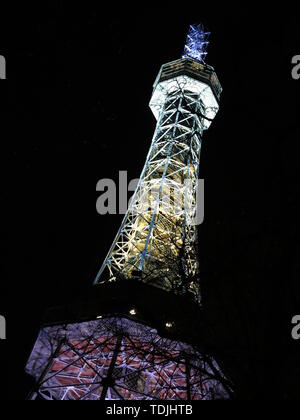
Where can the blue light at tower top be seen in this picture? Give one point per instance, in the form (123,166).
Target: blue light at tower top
(196,43)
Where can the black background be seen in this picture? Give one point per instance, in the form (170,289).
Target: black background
(79,83)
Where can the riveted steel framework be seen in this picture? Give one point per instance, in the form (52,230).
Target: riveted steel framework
(157,240)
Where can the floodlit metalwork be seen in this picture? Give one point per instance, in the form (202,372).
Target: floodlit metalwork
(157,241)
(117,359)
(133,350)
(197,43)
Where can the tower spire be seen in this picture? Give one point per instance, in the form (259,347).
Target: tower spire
(197,43)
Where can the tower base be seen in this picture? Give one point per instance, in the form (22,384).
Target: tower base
(120,359)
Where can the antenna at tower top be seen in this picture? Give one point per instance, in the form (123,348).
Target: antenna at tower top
(196,43)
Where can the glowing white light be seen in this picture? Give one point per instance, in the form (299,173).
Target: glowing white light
(204,91)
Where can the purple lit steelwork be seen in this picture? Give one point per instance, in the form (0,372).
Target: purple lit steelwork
(197,43)
(118,359)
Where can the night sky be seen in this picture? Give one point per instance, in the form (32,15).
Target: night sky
(79,83)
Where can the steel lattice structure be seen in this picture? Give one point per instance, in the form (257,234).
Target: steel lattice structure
(117,359)
(158,238)
(123,354)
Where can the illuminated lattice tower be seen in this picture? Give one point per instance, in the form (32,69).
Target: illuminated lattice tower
(141,338)
(158,238)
